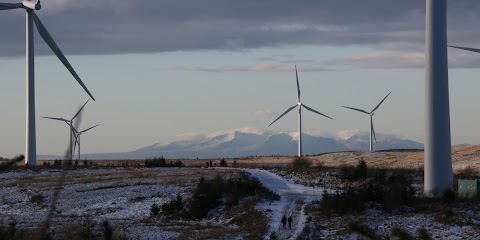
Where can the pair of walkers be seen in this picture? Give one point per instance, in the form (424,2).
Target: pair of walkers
(284,221)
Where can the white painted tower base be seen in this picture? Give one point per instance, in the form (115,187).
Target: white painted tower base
(438,158)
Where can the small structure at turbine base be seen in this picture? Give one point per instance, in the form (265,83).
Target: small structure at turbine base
(468,188)
(438,155)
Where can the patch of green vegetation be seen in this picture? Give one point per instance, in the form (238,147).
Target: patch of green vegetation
(389,192)
(161,162)
(396,232)
(211,193)
(37,198)
(359,172)
(301,163)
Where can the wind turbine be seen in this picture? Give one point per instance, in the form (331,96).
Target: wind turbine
(299,105)
(31,18)
(371,113)
(72,128)
(438,177)
(77,138)
(466,48)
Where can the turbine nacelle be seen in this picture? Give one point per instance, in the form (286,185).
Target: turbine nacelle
(29,5)
(299,104)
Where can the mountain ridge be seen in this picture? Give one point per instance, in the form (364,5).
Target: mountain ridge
(241,143)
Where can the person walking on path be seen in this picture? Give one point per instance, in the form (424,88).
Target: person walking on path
(290,222)
(284,221)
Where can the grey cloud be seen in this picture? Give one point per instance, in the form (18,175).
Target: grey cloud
(149,26)
(398,55)
(260,67)
(266,114)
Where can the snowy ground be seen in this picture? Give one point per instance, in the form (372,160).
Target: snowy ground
(123,196)
(294,197)
(464,223)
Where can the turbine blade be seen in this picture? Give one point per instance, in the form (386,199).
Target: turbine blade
(51,43)
(288,110)
(58,119)
(466,48)
(298,84)
(88,129)
(75,132)
(7,6)
(80,110)
(75,135)
(380,102)
(373,130)
(315,111)
(356,109)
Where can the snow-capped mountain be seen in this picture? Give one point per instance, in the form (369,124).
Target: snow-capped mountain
(241,143)
(361,142)
(236,144)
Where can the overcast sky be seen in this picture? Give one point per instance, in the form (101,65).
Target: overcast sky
(160,69)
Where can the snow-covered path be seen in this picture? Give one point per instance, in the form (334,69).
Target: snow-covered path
(292,203)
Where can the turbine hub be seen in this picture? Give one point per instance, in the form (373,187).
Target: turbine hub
(29,5)
(299,104)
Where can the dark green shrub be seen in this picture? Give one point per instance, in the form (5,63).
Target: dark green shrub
(391,193)
(154,210)
(361,170)
(37,198)
(401,234)
(300,163)
(57,163)
(107,231)
(178,163)
(449,196)
(424,235)
(8,231)
(363,230)
(156,162)
(211,193)
(223,163)
(172,207)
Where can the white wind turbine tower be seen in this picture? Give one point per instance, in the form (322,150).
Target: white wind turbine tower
(371,113)
(438,177)
(31,18)
(72,128)
(299,105)
(77,138)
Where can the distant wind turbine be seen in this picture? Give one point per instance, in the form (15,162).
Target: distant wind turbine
(31,17)
(371,113)
(77,138)
(72,128)
(299,105)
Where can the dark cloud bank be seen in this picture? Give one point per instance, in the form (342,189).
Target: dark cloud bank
(150,26)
